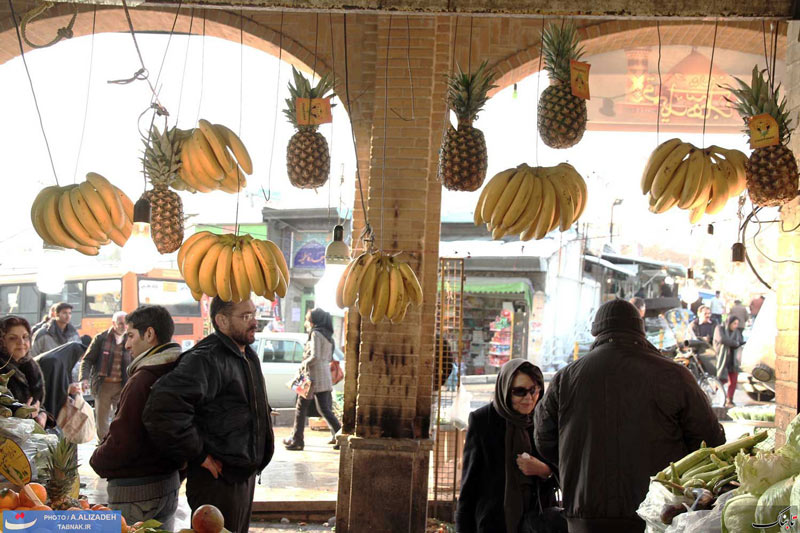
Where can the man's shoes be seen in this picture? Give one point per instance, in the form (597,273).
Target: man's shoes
(332,441)
(336,446)
(291,445)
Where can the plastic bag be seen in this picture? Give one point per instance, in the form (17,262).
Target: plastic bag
(708,521)
(17,429)
(650,509)
(460,409)
(36,450)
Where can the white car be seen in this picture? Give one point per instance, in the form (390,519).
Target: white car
(281,355)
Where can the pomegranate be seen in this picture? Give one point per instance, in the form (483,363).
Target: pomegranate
(207,519)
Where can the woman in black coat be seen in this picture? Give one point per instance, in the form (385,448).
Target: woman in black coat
(505,485)
(727,343)
(27,383)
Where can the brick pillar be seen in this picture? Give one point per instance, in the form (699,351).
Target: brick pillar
(383,481)
(787,282)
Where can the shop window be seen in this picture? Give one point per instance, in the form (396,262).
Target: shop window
(174,295)
(21,300)
(72,293)
(103,297)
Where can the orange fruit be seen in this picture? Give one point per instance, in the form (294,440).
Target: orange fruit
(74,509)
(8,499)
(25,498)
(42,508)
(124,527)
(23,509)
(84,503)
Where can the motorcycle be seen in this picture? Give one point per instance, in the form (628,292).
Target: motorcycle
(689,356)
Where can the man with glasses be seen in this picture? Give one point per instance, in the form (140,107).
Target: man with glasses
(212,412)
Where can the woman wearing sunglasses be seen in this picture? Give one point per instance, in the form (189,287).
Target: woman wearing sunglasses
(505,486)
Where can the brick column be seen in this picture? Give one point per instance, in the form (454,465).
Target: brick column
(787,282)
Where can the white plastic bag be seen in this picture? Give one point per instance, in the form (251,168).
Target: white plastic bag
(709,521)
(17,429)
(460,409)
(650,509)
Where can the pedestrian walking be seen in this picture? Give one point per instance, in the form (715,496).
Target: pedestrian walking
(212,412)
(739,311)
(106,365)
(717,308)
(58,331)
(143,482)
(728,344)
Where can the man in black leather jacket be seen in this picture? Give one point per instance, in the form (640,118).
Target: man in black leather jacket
(615,417)
(212,412)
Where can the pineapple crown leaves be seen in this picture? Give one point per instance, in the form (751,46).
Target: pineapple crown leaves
(560,44)
(467,92)
(758,98)
(161,157)
(302,89)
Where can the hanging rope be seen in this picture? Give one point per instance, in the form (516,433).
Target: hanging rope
(275,114)
(61,33)
(385,114)
(202,68)
(33,92)
(185,61)
(446,120)
(658,111)
(708,87)
(410,74)
(86,102)
(538,80)
(239,132)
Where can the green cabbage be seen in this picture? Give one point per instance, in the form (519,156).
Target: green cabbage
(758,472)
(774,500)
(739,514)
(794,498)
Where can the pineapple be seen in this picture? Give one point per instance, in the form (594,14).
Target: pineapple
(771,171)
(162,161)
(308,161)
(61,472)
(561,116)
(462,157)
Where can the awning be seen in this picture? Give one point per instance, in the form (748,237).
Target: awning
(483,285)
(628,270)
(673,269)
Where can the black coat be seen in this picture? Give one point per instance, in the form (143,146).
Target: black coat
(483,478)
(27,381)
(612,419)
(57,367)
(213,403)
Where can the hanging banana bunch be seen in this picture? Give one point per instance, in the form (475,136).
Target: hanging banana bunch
(231,267)
(382,286)
(83,216)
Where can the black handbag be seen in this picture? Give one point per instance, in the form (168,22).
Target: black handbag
(546,518)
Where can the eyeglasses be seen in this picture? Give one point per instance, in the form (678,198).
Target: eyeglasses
(247,317)
(521,392)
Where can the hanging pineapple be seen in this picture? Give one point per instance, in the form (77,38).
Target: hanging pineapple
(161,163)
(308,161)
(462,157)
(561,116)
(771,171)
(61,471)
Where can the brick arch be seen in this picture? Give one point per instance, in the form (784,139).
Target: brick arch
(613,35)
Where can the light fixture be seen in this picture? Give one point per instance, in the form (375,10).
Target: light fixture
(139,254)
(739,279)
(710,229)
(50,278)
(514,94)
(689,292)
(337,252)
(669,280)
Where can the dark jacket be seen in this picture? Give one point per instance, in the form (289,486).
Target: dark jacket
(56,366)
(612,419)
(98,359)
(27,381)
(128,451)
(51,336)
(483,478)
(727,344)
(213,403)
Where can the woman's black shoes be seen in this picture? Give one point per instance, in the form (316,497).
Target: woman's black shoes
(291,445)
(332,441)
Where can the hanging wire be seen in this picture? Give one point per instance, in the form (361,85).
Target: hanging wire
(658,111)
(469,58)
(774,55)
(766,54)
(366,235)
(33,92)
(202,67)
(239,132)
(410,74)
(385,111)
(333,84)
(538,80)
(275,114)
(708,87)
(446,121)
(185,61)
(88,92)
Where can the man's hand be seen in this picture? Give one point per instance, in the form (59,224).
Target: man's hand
(86,386)
(212,465)
(531,466)
(75,388)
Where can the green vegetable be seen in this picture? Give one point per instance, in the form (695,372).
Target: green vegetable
(708,467)
(774,500)
(759,472)
(746,442)
(739,514)
(693,459)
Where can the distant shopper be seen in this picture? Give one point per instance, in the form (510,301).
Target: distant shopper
(51,314)
(106,362)
(27,382)
(57,365)
(505,484)
(639,304)
(58,331)
(717,308)
(212,412)
(142,482)
(728,344)
(739,311)
(755,306)
(695,306)
(615,417)
(317,357)
(702,327)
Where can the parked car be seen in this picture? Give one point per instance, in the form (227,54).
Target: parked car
(281,355)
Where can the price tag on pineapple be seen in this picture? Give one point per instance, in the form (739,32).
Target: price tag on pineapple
(14,465)
(579,78)
(763,131)
(313,111)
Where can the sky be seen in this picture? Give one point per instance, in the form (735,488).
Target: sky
(245,89)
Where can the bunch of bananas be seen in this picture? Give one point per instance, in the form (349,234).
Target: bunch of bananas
(382,285)
(83,216)
(231,267)
(531,201)
(701,180)
(212,157)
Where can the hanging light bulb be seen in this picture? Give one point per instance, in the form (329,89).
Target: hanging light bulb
(514,94)
(50,278)
(739,278)
(337,252)
(689,292)
(139,254)
(337,255)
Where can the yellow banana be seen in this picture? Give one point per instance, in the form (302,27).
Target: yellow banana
(719,191)
(532,207)
(696,213)
(704,194)
(200,166)
(402,300)
(547,213)
(205,156)
(268,264)
(476,214)
(556,214)
(53,224)
(231,183)
(521,199)
(194,258)
(197,295)
(193,177)
(282,287)
(670,196)
(584,194)
(494,189)
(116,235)
(693,180)
(127,204)
(36,212)
(395,288)
(222,276)
(208,269)
(279,259)
(509,193)
(71,223)
(354,278)
(366,288)
(340,286)
(87,250)
(381,297)
(412,282)
(96,206)
(240,275)
(237,147)
(654,162)
(85,215)
(669,166)
(217,145)
(735,186)
(110,199)
(255,275)
(569,178)
(566,209)
(188,243)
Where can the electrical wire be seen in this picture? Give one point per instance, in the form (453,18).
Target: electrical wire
(267,197)
(202,68)
(185,61)
(708,87)
(88,92)
(538,95)
(385,115)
